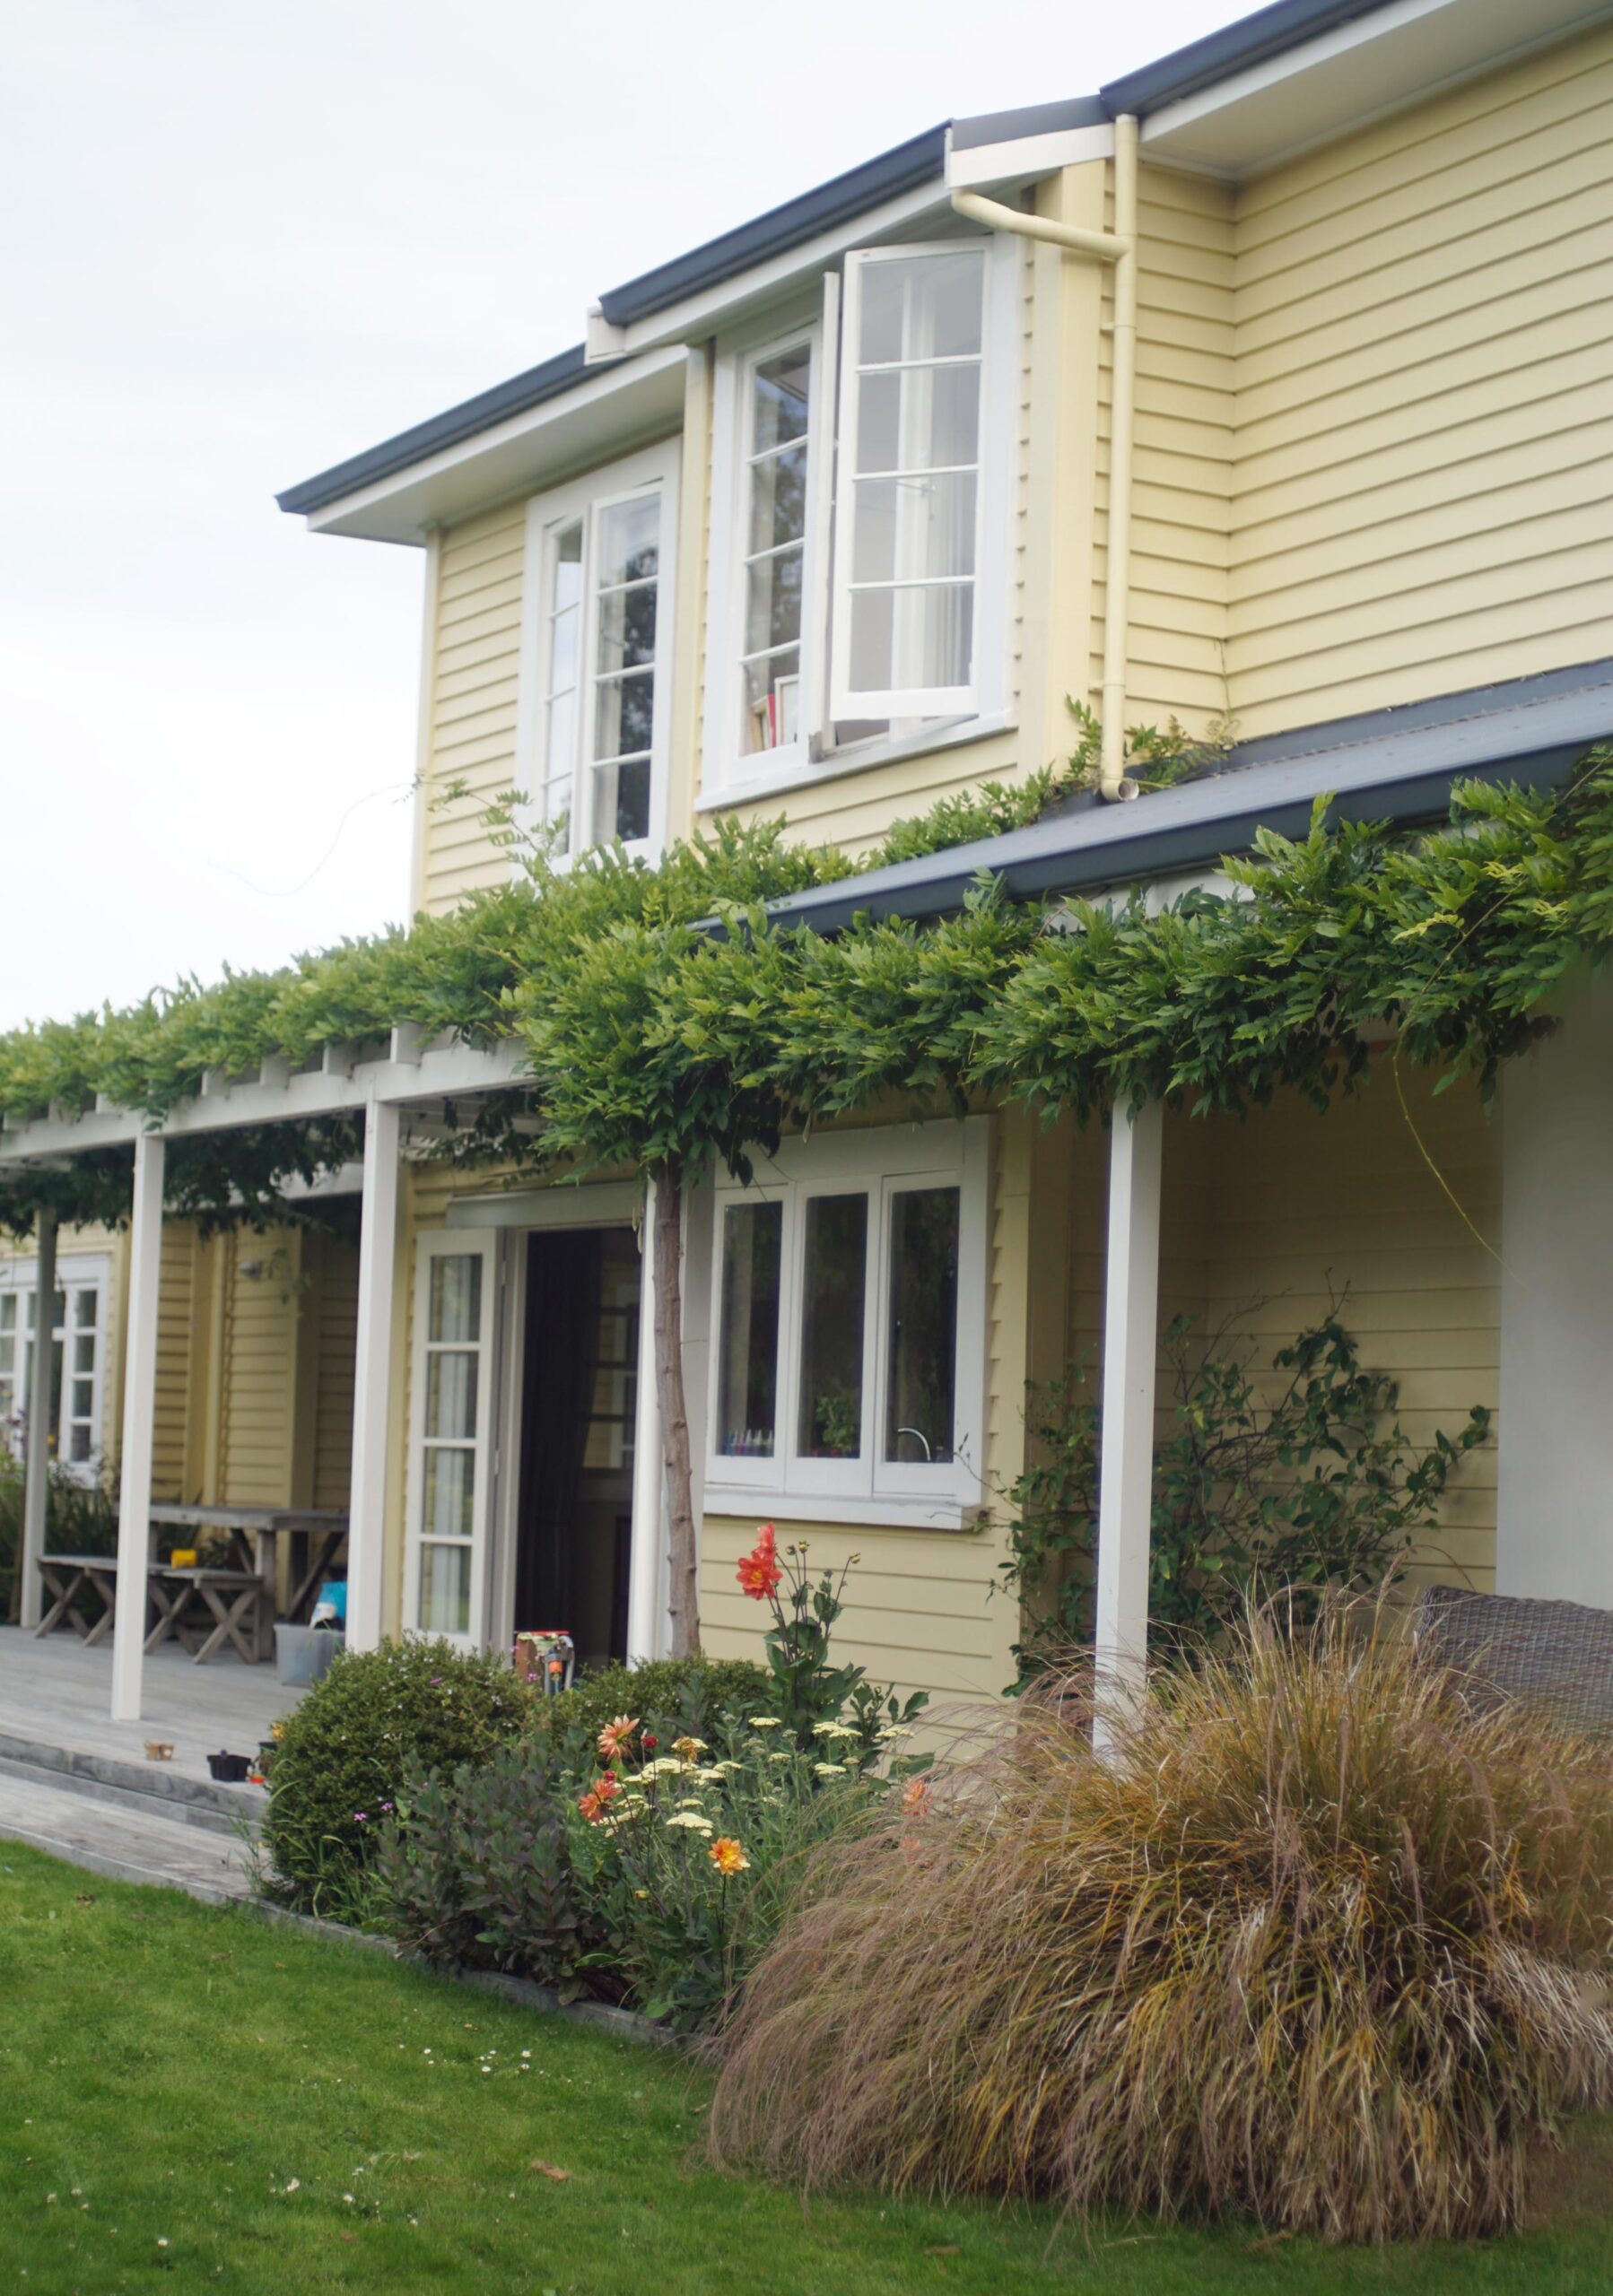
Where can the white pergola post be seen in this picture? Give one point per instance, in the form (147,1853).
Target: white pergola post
(372,1369)
(646,1572)
(1130,1355)
(139,1413)
(35,1493)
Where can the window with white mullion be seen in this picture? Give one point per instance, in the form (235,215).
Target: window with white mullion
(77,1363)
(625,609)
(908,550)
(562,659)
(773,542)
(452,1419)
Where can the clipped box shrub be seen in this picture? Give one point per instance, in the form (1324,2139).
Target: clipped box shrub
(1314,1941)
(375,1717)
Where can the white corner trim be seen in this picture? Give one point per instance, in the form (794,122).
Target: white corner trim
(1026,158)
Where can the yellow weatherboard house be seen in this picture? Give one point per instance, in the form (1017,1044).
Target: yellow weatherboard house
(1264,391)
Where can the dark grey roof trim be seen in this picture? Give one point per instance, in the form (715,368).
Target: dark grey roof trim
(1388,765)
(1236,47)
(1032,120)
(554,376)
(921,160)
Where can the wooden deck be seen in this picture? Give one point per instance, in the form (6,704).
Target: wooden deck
(58,1693)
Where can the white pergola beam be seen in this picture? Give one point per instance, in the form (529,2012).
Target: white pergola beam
(139,1416)
(1130,1358)
(450,1070)
(378,1261)
(35,1493)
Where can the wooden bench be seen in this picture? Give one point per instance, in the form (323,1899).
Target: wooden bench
(69,1579)
(235,1607)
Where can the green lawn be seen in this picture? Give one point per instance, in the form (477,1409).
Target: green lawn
(187,2091)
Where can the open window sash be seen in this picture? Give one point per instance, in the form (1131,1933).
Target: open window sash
(910,538)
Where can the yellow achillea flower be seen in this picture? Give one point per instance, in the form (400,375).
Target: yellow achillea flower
(727,1855)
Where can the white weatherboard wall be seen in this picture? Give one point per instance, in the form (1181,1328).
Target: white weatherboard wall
(1555,1531)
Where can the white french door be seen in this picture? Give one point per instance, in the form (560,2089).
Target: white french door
(452,1398)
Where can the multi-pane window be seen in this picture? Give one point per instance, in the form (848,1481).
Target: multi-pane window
(451,1463)
(850,1301)
(859,516)
(775,542)
(77,1359)
(908,543)
(594,714)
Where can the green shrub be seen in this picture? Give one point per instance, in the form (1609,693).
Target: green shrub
(347,1748)
(475,1867)
(1302,1479)
(682,1693)
(1311,1940)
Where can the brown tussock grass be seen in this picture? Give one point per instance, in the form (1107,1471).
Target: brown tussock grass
(1315,1943)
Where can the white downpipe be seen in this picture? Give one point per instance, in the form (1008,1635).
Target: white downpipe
(1130,1355)
(1118,247)
(646,1599)
(378,1277)
(139,1414)
(35,1492)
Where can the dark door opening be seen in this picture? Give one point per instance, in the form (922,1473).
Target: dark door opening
(578,1397)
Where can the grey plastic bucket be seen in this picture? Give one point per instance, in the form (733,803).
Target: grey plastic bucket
(302,1653)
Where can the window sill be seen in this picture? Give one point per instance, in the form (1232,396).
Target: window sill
(873,1514)
(857,757)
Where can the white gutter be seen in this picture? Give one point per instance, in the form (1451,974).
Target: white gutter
(1119,248)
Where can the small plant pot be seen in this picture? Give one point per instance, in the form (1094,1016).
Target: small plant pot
(302,1653)
(230,1770)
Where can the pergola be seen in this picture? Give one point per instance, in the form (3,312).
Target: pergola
(382,1090)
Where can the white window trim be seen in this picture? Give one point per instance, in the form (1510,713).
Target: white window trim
(882,1162)
(729,777)
(725,767)
(457,1242)
(994,507)
(653,470)
(75,1272)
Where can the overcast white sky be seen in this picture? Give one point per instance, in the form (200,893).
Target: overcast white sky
(239,242)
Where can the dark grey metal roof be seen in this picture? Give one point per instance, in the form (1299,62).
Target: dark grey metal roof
(921,160)
(560,373)
(1387,765)
(1235,47)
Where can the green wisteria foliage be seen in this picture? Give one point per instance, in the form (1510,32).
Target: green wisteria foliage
(656,1045)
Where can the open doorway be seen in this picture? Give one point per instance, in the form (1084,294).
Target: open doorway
(573,1528)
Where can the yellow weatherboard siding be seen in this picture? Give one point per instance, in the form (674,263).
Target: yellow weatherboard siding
(476,632)
(1424,442)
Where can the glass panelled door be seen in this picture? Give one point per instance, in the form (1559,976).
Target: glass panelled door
(452,1397)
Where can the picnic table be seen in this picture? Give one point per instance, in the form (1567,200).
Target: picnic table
(315,1533)
(205,1605)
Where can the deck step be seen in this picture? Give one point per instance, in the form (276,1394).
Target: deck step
(124,1844)
(152,1788)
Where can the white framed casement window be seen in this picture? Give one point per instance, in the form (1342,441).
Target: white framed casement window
(78,1370)
(847,1375)
(453,1378)
(916,589)
(772,419)
(593,713)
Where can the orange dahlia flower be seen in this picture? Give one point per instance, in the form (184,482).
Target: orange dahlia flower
(614,1734)
(759,1573)
(728,1855)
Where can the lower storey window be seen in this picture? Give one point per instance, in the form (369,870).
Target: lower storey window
(77,1356)
(848,1342)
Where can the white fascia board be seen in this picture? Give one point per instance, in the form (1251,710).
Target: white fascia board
(442,1072)
(1364,70)
(719,308)
(623,404)
(1026,159)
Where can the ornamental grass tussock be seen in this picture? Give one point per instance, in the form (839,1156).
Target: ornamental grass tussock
(1316,1943)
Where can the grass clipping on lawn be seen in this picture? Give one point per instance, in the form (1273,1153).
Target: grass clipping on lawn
(1318,1943)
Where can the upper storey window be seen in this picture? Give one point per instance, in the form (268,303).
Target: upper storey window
(858,515)
(596,661)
